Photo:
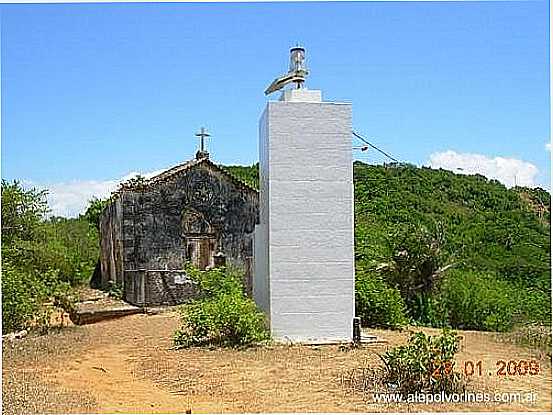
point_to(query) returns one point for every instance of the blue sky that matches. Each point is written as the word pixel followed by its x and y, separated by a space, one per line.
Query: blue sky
pixel 93 92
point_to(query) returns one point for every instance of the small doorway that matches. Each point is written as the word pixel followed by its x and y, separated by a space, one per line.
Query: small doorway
pixel 200 251
pixel 200 239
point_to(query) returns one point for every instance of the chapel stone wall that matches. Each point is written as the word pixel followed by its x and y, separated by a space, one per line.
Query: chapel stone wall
pixel 155 241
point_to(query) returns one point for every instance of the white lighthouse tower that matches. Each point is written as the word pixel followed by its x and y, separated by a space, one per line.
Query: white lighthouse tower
pixel 304 264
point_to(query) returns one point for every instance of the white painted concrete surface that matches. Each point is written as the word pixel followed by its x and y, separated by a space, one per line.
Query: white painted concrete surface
pixel 301 95
pixel 304 265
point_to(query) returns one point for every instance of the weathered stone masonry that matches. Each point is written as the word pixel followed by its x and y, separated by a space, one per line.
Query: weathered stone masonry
pixel 187 213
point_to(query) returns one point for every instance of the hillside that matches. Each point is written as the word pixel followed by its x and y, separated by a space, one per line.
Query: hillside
pixel 492 239
pixel 487 226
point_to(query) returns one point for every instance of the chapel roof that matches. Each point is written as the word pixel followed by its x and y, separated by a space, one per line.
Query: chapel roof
pixel 187 165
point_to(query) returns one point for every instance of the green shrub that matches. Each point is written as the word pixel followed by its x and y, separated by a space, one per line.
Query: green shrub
pixel 23 296
pixel 429 310
pixel 226 319
pixel 486 302
pixel 216 281
pixel 222 315
pixel 20 298
pixel 76 242
pixel 377 304
pixel 48 254
pixel 424 364
pixel 534 305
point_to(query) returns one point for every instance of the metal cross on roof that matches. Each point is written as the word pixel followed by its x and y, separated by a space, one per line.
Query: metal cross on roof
pixel 202 134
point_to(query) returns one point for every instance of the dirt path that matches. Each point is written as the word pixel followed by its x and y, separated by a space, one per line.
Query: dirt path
pixel 128 366
pixel 108 375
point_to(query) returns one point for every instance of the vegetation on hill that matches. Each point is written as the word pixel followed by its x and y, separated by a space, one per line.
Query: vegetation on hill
pixel 438 248
pixel 248 174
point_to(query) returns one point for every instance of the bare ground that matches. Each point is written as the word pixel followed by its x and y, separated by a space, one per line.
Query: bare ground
pixel 128 365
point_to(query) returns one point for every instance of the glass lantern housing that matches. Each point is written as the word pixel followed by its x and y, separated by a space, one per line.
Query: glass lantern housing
pixel 297 60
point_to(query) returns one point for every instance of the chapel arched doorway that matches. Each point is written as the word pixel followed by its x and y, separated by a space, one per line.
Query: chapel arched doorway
pixel 200 239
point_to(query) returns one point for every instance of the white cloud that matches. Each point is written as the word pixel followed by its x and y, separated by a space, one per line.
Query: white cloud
pixel 507 170
pixel 69 199
pixel 548 146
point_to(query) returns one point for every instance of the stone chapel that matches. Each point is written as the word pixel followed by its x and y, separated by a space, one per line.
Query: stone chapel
pixel 194 212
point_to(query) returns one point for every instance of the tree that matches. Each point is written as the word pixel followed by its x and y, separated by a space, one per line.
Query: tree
pixel 95 208
pixel 416 266
pixel 22 211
